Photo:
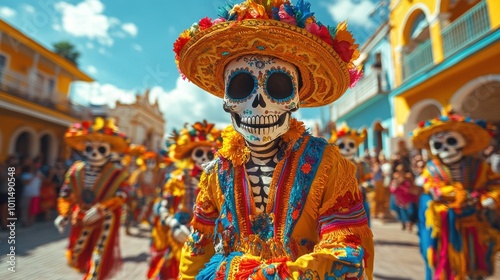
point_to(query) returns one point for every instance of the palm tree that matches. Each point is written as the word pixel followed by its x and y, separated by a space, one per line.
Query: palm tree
pixel 67 50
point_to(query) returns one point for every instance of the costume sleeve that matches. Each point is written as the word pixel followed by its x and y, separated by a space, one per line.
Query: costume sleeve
pixel 454 194
pixel 492 185
pixel 346 241
pixel 65 200
pixel 173 188
pixel 199 247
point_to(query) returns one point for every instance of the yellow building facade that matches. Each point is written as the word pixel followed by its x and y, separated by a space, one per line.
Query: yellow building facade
pixel 445 52
pixel 35 108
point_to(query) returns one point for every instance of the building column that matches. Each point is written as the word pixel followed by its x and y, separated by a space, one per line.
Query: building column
pixel 33 75
pixel 436 25
pixel 398 65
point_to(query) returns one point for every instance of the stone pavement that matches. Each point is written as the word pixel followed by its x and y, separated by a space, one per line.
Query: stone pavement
pixel 40 254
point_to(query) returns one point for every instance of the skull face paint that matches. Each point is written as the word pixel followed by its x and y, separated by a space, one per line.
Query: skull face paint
pixel 202 155
pixel 347 147
pixel 151 163
pixel 447 146
pixel 97 153
pixel 261 93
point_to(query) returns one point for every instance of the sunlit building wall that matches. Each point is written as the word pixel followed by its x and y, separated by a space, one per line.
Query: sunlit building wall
pixel 35 109
pixel 445 52
pixel 142 121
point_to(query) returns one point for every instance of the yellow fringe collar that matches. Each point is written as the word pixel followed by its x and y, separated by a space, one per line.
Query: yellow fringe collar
pixel 235 149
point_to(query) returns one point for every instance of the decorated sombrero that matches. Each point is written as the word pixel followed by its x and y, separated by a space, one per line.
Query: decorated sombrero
pixel 478 133
pixel 136 150
pixel 101 130
pixel 141 160
pixel 201 134
pixel 345 130
pixel 324 55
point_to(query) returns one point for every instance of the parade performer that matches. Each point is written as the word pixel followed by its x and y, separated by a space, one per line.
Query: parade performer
pixel 92 197
pixel 146 181
pixel 130 165
pixel 276 203
pixel 172 213
pixel 456 240
pixel 348 141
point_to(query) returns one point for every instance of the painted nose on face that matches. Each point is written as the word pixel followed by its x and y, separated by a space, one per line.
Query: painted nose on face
pixel 94 154
pixel 258 101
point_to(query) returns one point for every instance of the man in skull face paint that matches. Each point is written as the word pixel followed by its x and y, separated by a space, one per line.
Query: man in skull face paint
pixel 276 203
pixel 191 149
pixel 456 239
pixel 146 182
pixel 92 197
pixel 348 141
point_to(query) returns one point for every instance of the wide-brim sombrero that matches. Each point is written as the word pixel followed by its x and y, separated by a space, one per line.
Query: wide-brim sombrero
pixel 325 77
pixel 77 142
pixel 477 137
pixel 179 152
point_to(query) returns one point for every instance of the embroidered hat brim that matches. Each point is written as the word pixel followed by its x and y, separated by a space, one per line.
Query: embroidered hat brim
pixel 77 141
pixel 477 137
pixel 325 77
pixel 179 152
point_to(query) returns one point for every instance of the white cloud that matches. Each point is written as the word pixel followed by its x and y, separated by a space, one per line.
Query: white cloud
pixel 130 28
pixel 56 27
pixel 7 12
pixel 28 8
pixel 96 93
pixel 187 103
pixel 86 19
pixel 137 47
pixel 355 12
pixel 102 50
pixel 92 69
pixel 89 45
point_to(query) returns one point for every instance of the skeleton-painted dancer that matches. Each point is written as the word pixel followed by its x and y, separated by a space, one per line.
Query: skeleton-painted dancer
pixel 92 197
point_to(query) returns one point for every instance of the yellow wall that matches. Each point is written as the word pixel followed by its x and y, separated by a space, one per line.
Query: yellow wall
pixel 13 121
pixel 444 85
pixel 405 12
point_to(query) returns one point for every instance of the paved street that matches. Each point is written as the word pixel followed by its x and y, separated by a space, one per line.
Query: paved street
pixel 40 254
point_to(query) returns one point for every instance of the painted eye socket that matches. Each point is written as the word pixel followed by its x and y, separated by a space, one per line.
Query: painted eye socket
pixel 210 155
pixel 341 145
pixel 452 141
pixel 241 85
pixel 351 145
pixel 279 85
pixel 88 149
pixel 198 153
pixel 102 150
pixel 437 145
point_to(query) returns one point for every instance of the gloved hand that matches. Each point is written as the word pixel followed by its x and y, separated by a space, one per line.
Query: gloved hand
pixel 61 222
pixel 180 232
pixel 92 215
pixel 489 203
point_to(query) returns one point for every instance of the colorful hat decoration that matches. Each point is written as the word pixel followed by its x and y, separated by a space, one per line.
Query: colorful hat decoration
pixel 201 134
pixel 324 55
pixel 477 133
pixel 136 150
pixel 101 130
pixel 344 131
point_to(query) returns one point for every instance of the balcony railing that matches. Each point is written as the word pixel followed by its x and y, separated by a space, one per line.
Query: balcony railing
pixel 419 60
pixel 369 86
pixel 466 29
pixel 19 85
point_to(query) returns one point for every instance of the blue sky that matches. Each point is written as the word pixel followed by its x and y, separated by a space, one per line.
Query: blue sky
pixel 126 46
